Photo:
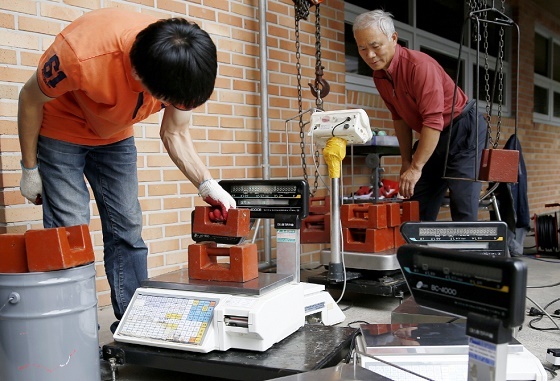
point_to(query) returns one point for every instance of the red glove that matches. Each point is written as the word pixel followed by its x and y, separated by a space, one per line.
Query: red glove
pixel 220 200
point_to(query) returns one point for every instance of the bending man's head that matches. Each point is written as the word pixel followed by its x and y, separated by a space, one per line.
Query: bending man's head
pixel 176 62
pixel 376 38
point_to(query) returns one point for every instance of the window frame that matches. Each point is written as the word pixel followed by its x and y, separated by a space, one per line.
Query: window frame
pixel 547 82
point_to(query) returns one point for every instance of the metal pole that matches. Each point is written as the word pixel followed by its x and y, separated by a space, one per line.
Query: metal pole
pixel 264 117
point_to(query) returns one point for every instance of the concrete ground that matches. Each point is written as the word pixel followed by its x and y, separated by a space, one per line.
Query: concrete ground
pixel 542 290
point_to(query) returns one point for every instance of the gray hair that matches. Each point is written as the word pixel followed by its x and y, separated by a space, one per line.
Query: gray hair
pixel 377 18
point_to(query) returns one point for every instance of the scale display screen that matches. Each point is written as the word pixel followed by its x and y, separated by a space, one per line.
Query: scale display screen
pixel 270 198
pixel 483 237
pixel 263 201
pixel 460 282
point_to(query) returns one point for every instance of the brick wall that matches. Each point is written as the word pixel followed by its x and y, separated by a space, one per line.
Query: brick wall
pixel 227 128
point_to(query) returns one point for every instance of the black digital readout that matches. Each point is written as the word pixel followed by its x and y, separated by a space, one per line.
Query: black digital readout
pixel 263 189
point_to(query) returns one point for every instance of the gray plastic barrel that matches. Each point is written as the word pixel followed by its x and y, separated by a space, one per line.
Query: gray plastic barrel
pixel 48 326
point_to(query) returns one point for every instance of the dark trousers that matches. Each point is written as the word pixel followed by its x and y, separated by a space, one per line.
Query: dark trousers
pixel 464 193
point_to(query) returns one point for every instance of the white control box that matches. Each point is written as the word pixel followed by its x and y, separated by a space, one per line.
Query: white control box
pixel 351 125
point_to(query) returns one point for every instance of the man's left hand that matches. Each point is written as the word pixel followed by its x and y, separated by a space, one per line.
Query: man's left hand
pixel 220 200
pixel 408 181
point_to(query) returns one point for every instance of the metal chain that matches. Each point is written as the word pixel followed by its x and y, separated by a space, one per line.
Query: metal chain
pixel 318 66
pixel 302 12
pixel 299 12
pixel 500 82
pixel 476 6
pixel 318 99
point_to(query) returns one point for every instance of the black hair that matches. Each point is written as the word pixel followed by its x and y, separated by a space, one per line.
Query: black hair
pixel 176 61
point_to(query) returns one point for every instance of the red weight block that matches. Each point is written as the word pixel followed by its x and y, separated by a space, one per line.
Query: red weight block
pixel 363 216
pixel 238 223
pixel 398 238
pixel 58 248
pixel 393 214
pixel 14 257
pixel 368 240
pixel 316 228
pixel 242 267
pixel 320 205
pixel 499 165
pixel 410 211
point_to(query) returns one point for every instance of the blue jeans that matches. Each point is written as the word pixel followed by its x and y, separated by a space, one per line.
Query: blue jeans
pixel 112 175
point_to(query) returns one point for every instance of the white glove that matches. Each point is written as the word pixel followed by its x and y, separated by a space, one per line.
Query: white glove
pixel 216 196
pixel 30 185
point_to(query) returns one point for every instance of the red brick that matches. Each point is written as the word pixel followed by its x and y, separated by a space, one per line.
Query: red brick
pixel 14 256
pixel 238 223
pixel 58 248
pixel 243 262
pixel 368 240
pixel 364 216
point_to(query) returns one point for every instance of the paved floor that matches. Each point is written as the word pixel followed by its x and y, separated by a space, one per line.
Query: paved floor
pixel 536 335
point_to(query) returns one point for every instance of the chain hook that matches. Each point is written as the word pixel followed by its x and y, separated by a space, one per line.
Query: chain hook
pixel 321 86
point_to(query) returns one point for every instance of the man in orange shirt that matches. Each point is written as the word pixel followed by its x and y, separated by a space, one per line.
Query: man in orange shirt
pixel 106 71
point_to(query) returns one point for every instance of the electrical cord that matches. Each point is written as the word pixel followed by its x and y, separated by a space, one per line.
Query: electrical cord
pixel 539 318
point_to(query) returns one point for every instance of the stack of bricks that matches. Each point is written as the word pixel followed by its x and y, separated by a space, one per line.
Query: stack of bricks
pixel 374 228
pixel 316 227
pixel 46 250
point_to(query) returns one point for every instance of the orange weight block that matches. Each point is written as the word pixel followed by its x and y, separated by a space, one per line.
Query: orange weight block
pixel 14 257
pixel 410 211
pixel 238 223
pixel 58 248
pixel 398 238
pixel 242 267
pixel 320 205
pixel 363 216
pixel 368 240
pixel 316 228
pixel 393 214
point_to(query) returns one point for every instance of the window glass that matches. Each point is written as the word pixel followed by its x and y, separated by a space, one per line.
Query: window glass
pixel 400 9
pixel 541 100
pixel 556 62
pixel 556 110
pixel 443 18
pixel 541 54
pixel 354 63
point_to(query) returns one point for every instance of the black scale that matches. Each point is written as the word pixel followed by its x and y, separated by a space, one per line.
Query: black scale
pixel 488 238
pixel 286 201
pixel 484 237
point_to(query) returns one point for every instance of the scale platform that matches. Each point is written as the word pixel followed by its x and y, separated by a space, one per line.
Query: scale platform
pixel 367 273
pixel 179 280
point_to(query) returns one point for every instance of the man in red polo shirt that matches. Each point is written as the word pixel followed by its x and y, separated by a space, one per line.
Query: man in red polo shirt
pixel 422 97
pixel 106 71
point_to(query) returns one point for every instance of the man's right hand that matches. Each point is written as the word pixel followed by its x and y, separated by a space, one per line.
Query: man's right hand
pixel 30 185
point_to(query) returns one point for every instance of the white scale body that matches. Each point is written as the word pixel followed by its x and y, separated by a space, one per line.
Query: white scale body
pixel 157 317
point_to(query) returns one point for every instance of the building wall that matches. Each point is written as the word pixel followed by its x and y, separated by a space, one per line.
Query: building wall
pixel 227 128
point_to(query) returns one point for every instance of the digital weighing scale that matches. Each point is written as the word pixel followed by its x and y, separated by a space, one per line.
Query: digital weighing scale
pixel 176 312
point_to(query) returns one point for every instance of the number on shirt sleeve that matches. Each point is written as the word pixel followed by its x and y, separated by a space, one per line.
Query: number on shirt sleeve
pixel 52 73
